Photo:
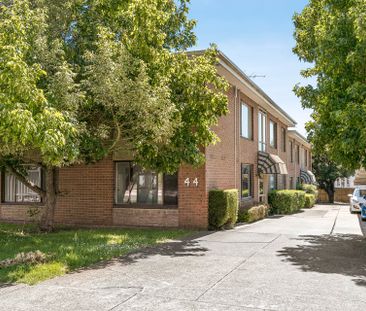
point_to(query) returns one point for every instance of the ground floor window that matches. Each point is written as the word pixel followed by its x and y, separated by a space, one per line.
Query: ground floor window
pixel 272 182
pixel 246 181
pixel 15 191
pixel 135 185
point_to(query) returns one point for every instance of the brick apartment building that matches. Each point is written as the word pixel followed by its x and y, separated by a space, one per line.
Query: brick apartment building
pixel 257 153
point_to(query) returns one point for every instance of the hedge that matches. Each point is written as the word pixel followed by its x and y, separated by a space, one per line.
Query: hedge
pixel 286 201
pixel 310 189
pixel 222 208
pixel 309 200
pixel 253 214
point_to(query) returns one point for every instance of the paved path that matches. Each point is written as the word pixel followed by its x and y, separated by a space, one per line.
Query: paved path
pixel 314 260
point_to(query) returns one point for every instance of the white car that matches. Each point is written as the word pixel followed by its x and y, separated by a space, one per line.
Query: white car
pixel 357 199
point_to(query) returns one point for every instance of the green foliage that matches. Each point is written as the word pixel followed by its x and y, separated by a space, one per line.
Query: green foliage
pixel 27 120
pixel 286 201
pixel 311 189
pixel 309 200
pixel 222 208
pixel 80 79
pixel 331 36
pixel 68 250
pixel 326 172
pixel 253 213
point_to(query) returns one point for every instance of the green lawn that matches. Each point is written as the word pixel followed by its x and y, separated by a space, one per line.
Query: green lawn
pixel 70 249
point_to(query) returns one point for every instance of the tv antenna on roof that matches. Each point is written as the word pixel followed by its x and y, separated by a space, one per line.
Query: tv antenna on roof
pixel 253 76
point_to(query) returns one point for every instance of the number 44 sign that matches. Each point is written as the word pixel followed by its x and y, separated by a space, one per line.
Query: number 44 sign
pixel 187 182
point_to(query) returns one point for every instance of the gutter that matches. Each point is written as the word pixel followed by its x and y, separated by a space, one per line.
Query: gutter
pixel 241 76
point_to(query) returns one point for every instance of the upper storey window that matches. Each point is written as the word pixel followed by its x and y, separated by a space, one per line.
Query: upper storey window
pixel 262 123
pixel 246 121
pixel 273 134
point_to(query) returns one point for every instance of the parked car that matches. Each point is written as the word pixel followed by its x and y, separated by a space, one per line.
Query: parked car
pixel 363 212
pixel 357 199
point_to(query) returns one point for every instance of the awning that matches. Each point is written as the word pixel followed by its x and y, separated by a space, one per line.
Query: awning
pixel 271 164
pixel 307 177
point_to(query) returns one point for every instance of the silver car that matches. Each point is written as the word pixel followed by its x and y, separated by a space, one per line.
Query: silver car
pixel 357 199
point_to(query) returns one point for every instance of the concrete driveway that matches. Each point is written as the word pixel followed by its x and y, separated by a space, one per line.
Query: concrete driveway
pixel 314 260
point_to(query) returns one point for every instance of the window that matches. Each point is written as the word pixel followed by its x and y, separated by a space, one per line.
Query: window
pixel 246 121
pixel 272 182
pixel 298 154
pixel 283 139
pixel 292 152
pixel 273 134
pixel 262 131
pixel 16 191
pixel 134 185
pixel 246 178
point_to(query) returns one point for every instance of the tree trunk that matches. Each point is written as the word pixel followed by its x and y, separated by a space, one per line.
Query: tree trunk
pixel 330 196
pixel 50 198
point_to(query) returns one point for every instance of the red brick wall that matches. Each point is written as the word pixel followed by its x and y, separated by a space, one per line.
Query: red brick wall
pixel 145 217
pixel 19 213
pixel 220 158
pixel 87 194
pixel 192 200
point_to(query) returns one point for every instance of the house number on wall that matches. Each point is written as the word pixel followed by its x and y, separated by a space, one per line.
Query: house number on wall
pixel 187 182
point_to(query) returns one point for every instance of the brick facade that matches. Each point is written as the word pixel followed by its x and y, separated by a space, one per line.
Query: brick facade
pixel 88 191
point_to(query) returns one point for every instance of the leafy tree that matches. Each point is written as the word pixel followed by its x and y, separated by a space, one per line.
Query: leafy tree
pixel 82 78
pixel 326 172
pixel 331 36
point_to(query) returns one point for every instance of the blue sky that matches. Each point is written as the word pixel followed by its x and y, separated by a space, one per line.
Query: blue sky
pixel 258 36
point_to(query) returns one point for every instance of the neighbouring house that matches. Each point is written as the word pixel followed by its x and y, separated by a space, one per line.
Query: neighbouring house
pixel 345 182
pixel 257 153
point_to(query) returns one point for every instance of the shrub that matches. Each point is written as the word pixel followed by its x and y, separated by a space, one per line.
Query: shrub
pixel 286 201
pixel 253 214
pixel 310 189
pixel 309 200
pixel 222 208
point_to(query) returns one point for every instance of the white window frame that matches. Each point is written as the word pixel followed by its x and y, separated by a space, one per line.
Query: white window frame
pixel 20 191
pixel 273 134
pixel 262 130
pixel 248 123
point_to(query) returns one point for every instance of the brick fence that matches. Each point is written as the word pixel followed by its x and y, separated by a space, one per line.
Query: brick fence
pixel 341 195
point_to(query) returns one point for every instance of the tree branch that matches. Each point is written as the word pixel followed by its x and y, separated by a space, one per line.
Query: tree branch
pixel 26 182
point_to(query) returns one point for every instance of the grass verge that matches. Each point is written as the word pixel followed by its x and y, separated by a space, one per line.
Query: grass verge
pixel 70 249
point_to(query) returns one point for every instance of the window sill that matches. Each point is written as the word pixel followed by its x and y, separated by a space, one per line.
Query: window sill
pixel 145 206
pixel 246 199
pixel 246 138
pixel 34 204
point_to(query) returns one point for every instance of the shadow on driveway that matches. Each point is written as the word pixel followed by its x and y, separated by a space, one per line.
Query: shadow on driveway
pixel 184 247
pixel 338 254
pixel 362 225
pixel 180 248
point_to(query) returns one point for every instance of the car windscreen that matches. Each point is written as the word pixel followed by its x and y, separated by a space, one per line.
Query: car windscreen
pixel 362 192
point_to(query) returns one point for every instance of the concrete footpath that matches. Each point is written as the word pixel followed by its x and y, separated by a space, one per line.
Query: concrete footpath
pixel 313 260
